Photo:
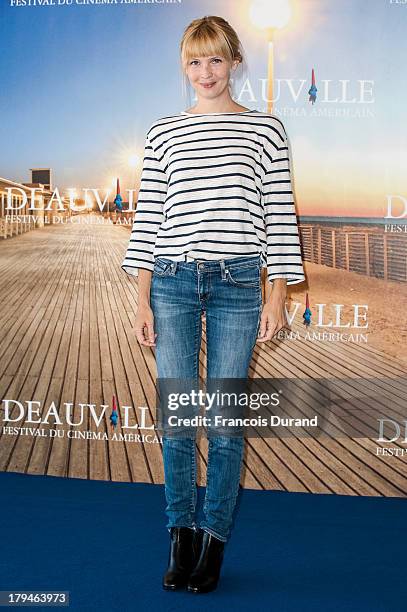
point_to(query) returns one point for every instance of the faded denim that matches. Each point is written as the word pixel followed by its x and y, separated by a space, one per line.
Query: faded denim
pixel 229 292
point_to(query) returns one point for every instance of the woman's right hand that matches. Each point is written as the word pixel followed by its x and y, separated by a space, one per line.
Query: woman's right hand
pixel 144 325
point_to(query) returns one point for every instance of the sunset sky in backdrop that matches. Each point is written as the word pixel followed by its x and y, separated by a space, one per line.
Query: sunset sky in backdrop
pixel 82 84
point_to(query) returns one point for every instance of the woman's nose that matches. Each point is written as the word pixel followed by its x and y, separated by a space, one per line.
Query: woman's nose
pixel 206 72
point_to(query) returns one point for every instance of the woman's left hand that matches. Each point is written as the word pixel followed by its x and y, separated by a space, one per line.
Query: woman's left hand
pixel 273 316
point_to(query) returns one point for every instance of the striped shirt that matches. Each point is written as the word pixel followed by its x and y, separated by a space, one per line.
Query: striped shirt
pixel 216 186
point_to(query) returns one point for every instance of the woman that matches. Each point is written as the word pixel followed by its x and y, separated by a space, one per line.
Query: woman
pixel 215 206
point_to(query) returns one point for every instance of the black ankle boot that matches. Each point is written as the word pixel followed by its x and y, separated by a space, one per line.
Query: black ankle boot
pixel 182 557
pixel 205 575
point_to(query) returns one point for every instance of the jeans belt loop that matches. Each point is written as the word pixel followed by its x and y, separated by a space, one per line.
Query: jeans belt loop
pixel 222 269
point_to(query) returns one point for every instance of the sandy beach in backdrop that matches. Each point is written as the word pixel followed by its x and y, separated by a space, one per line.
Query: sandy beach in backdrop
pixel 386 300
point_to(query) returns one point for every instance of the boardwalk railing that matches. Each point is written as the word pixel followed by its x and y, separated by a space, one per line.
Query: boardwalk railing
pixel 369 251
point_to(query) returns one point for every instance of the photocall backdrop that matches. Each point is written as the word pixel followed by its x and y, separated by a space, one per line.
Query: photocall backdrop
pixel 82 81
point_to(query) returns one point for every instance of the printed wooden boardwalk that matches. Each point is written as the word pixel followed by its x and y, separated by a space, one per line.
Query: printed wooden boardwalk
pixel 67 335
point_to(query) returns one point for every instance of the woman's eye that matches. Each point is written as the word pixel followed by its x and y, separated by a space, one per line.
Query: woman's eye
pixel 215 59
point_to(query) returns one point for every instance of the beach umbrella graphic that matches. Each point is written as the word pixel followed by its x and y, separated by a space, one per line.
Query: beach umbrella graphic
pixel 307 312
pixel 118 199
pixel 312 90
pixel 114 417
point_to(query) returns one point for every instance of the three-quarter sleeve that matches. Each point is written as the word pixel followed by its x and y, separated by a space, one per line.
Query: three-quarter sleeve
pixel 284 259
pixel 148 215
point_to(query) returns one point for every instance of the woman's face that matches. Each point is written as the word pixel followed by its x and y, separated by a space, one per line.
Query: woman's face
pixel 209 76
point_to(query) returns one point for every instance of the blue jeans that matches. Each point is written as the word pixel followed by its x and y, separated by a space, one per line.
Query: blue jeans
pixel 229 292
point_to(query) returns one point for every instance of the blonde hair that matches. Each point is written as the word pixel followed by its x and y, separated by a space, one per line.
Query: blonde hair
pixel 209 35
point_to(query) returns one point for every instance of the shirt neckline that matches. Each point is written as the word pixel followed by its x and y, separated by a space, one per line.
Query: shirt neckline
pixel 221 113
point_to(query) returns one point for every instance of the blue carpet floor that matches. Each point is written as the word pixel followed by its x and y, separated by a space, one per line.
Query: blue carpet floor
pixel 106 543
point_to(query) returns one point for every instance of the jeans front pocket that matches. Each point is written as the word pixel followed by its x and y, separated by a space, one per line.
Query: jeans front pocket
pixel 162 267
pixel 245 275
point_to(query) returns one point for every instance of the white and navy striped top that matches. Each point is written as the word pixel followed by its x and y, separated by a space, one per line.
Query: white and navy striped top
pixel 216 186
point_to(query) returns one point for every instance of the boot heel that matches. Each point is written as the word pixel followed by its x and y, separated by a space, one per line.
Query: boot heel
pixel 205 575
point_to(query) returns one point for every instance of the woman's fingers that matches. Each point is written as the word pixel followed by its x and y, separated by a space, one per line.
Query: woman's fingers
pixel 150 336
pixel 145 333
pixel 269 327
pixel 265 326
pixel 140 334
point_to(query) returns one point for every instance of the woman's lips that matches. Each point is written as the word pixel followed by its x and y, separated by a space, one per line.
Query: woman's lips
pixel 208 85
